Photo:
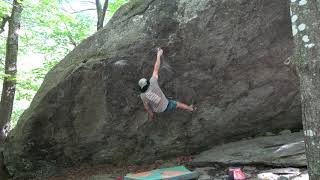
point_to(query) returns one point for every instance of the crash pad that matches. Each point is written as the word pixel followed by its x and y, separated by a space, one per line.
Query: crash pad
pixel 173 173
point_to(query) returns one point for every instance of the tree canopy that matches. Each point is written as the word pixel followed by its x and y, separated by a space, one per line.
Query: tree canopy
pixel 49 30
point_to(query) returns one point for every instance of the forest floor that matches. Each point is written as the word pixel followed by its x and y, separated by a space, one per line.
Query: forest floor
pixel 90 172
pixel 214 172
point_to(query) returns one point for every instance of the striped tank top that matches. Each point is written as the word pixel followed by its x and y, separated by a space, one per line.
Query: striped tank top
pixel 154 96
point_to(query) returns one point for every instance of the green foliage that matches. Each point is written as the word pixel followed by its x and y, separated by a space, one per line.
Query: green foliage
pixel 15 116
pixel 114 6
pixel 49 31
pixel 52 31
pixel 5 9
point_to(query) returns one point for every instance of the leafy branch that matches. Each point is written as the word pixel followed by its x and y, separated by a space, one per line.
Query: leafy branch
pixel 69 35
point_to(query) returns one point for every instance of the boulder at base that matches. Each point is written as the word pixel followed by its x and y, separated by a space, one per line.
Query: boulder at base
pixel 283 151
pixel 224 56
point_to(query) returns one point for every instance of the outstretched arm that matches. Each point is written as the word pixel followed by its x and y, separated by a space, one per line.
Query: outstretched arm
pixel 157 64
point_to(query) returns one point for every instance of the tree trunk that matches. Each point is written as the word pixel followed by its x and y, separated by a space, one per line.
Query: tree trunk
pixel 101 13
pixel 305 19
pixel 9 82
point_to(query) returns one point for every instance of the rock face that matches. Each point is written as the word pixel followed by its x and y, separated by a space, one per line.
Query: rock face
pixel 224 56
pixel 285 151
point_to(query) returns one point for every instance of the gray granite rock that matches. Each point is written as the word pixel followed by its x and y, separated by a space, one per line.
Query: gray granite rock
pixel 204 177
pixel 285 150
pixel 269 134
pixel 224 56
pixel 286 131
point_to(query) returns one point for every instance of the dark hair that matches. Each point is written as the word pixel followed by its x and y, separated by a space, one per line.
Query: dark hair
pixel 145 88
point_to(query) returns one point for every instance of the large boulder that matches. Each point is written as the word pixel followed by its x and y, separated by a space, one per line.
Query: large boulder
pixel 224 56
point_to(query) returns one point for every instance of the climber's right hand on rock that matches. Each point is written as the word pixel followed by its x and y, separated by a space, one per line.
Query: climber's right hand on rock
pixel 160 52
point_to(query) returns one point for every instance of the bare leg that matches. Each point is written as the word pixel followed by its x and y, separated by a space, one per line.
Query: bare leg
pixel 183 106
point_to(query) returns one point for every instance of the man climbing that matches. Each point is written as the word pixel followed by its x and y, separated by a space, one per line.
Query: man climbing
pixel 153 99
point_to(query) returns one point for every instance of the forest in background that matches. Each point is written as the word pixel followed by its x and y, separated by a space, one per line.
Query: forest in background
pixel 49 30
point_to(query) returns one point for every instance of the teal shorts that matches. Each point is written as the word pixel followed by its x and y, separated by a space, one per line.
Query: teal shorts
pixel 172 105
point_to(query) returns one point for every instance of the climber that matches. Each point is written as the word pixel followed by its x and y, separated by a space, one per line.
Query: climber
pixel 153 99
